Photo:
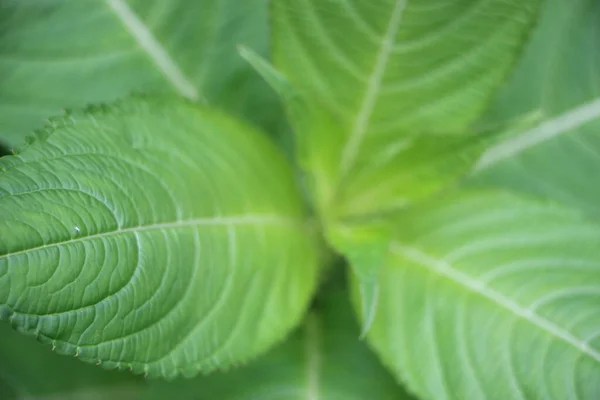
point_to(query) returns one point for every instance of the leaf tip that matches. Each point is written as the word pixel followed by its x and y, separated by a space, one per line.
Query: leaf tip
pixel 267 71
pixel 369 295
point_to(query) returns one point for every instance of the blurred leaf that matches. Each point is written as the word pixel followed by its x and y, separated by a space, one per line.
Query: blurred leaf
pixel 365 246
pixel 492 296
pixel 160 237
pixel 560 67
pixel 376 75
pixel 560 76
pixel 324 360
pixel 31 371
pixel 69 53
pixel 495 295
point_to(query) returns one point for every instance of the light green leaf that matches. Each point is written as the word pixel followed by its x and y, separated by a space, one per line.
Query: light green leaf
pixel 324 360
pixel 31 371
pixel 70 53
pixel 364 242
pixel 559 76
pixel 376 75
pixel 492 296
pixel 508 288
pixel 365 246
pixel 163 238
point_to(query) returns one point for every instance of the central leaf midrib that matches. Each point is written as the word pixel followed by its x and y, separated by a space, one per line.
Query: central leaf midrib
pixel 361 123
pixel 249 219
pixel 443 269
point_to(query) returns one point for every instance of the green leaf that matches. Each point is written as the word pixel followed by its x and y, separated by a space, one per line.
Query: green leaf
pixel 283 88
pixel 558 75
pixel 273 77
pixel 507 287
pixel 364 242
pixel 557 159
pixel 68 53
pixel 492 296
pixel 377 75
pixel 31 371
pixel 365 246
pixel 559 67
pixel 323 360
pixel 159 237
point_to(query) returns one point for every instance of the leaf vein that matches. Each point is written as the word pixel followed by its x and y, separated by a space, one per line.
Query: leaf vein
pixel 442 268
pixel 545 131
pixel 247 219
pixel 159 55
pixel 360 125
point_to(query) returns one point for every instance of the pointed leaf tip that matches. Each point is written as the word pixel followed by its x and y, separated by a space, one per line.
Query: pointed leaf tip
pixel 272 76
pixel 369 297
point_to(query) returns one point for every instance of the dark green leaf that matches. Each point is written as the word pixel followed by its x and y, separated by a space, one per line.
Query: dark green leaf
pixel 69 53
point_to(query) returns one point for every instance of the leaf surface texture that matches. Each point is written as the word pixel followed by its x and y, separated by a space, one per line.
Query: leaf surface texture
pixel 159 237
pixel 376 74
pixel 492 296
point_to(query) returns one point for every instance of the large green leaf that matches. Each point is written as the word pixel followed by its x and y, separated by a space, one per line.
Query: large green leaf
pixel 69 53
pixel 324 360
pixel 492 296
pixel 31 371
pixel 496 296
pixel 159 237
pixel 376 75
pixel 558 75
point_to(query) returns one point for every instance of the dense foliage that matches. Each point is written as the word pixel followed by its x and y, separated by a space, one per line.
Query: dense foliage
pixel 300 199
